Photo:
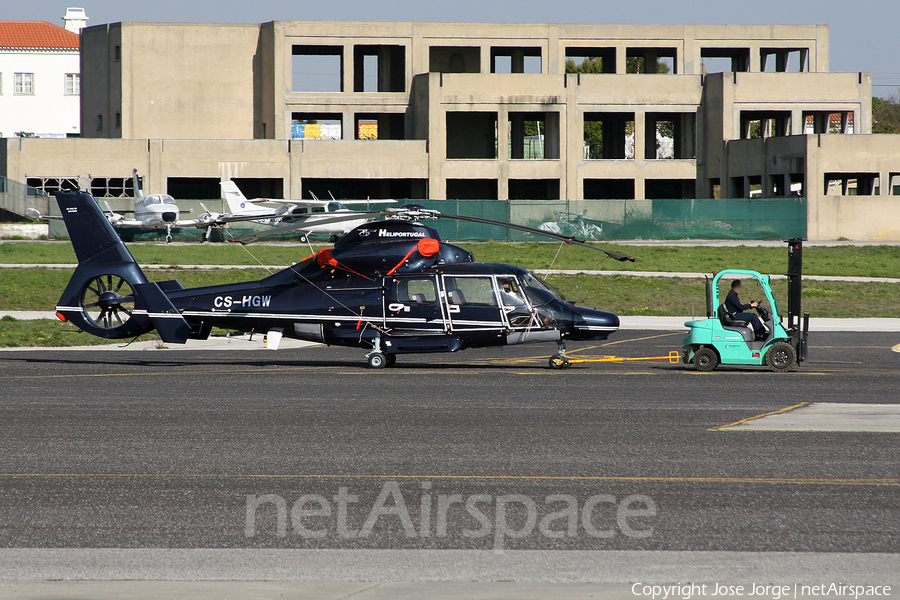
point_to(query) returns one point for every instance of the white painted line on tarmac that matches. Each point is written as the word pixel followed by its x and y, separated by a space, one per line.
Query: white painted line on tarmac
pixel 829 416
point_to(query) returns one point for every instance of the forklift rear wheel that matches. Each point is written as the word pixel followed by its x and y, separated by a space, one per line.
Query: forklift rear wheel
pixel 781 357
pixel 706 359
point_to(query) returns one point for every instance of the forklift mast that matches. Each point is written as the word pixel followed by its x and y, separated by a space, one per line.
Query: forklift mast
pixel 798 321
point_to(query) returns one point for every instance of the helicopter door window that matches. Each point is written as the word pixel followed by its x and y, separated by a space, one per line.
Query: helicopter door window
pixel 470 291
pixel 416 291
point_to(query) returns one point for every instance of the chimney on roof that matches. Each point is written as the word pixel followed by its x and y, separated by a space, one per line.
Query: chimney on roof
pixel 75 20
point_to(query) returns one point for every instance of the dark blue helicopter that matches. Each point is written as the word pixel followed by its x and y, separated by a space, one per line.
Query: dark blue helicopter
pixel 391 287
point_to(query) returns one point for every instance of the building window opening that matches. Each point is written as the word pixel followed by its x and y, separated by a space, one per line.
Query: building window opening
pixel 852 184
pixel 454 59
pixel 828 122
pixel 724 60
pixel 784 60
pixel 472 189
pixel 609 189
pixel 670 136
pixel 533 136
pixel 608 136
pixel 73 84
pixel 317 69
pixel 590 60
pixel 515 60
pixel 316 126
pixel 667 189
pixel 755 124
pixel 472 135
pixel 651 60
pixel 379 68
pixel 380 126
pixel 894 184
pixel 534 189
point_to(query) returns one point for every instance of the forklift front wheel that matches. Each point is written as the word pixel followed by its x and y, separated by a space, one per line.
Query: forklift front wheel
pixel 781 357
pixel 706 359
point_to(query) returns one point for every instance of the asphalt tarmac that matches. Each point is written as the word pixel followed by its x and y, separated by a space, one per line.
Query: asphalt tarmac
pixel 480 450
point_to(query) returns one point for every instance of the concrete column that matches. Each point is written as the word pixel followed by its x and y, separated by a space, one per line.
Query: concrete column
pixel 347 67
pixel 517 62
pixel 485 59
pixel 640 137
pixel 649 137
pixel 621 60
pixel 517 135
pixel 552 135
pixel 502 134
pixel 348 124
pixel 384 69
pixel 781 61
pixel 798 124
pixel 754 66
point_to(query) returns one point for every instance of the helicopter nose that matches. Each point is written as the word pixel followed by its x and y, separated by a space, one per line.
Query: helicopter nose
pixel 590 322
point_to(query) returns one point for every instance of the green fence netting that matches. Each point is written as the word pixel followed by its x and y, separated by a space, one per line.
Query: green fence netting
pixel 737 219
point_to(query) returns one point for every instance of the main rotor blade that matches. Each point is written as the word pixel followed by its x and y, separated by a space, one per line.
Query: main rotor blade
pixel 282 229
pixel 569 239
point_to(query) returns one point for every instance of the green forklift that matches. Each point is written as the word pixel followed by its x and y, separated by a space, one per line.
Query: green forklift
pixel 719 339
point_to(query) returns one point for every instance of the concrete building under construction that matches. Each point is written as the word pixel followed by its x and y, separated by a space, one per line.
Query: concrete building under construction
pixel 477 111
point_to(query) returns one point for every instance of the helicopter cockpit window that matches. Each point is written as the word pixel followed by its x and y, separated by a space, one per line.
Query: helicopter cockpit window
pixel 510 294
pixel 336 206
pixel 417 291
pixel 471 291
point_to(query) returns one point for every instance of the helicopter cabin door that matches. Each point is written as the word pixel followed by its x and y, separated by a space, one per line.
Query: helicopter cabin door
pixel 472 303
pixel 412 306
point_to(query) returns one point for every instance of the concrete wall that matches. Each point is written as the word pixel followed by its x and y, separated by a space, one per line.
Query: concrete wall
pixel 177 80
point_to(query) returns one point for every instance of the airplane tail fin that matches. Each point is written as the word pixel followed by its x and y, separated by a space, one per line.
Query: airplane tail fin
pixel 138 192
pixel 109 296
pixel 237 202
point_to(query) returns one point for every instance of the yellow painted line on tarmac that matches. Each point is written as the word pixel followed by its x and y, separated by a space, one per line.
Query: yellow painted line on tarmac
pixel 649 337
pixel 748 419
pixel 609 478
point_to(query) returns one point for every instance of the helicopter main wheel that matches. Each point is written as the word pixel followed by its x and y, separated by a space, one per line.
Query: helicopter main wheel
pixel 108 302
pixel 377 360
pixel 559 362
pixel 781 357
pixel 706 359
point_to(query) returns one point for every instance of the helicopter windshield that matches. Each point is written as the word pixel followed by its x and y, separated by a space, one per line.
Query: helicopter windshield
pixel 539 291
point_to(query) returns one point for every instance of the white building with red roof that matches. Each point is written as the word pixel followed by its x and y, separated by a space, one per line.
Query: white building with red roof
pixel 40 81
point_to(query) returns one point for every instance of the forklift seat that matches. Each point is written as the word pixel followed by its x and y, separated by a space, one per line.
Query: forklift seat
pixel 731 324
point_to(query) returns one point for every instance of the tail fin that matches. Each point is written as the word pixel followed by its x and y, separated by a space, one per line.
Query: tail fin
pixel 237 202
pixel 109 296
pixel 138 192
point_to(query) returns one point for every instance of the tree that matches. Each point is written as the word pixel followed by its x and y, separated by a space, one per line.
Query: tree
pixel 885 115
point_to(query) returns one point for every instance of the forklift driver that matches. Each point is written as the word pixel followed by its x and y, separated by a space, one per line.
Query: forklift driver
pixel 734 306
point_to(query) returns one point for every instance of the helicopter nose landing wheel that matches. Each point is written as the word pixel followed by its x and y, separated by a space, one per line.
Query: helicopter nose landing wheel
pixel 559 362
pixel 377 360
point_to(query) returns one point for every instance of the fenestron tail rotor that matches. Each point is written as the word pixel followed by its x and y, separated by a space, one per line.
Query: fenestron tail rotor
pixel 108 302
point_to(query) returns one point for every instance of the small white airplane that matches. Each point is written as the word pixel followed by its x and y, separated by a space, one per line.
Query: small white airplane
pixel 282 213
pixel 153 211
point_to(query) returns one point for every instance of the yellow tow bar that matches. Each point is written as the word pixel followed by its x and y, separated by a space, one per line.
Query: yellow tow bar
pixel 560 362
